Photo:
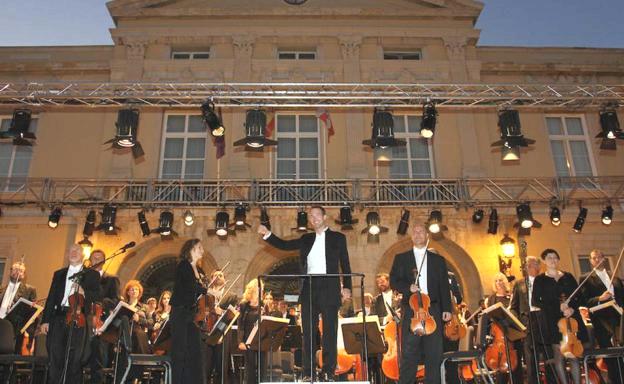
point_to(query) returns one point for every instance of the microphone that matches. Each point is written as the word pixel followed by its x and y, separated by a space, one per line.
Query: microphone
pixel 127 246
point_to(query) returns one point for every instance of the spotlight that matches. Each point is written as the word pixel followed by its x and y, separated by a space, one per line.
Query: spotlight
pixel 18 130
pixel 525 217
pixel 302 221
pixel 493 222
pixel 264 218
pixel 126 135
pixel 89 225
pixel 54 217
pixel 611 130
pixel 165 224
pixel 346 220
pixel 211 119
pixel 222 222
pixel 477 216
pixel 428 122
pixel 383 131
pixel 508 246
pixel 580 220
pixel 240 215
pixel 86 245
pixel 109 214
pixel 145 229
pixel 511 135
pixel 404 223
pixel 373 224
pixel 607 215
pixel 189 219
pixel 555 216
pixel 434 224
pixel 255 128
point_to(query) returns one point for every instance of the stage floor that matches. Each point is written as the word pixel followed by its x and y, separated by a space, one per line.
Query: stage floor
pixel 299 382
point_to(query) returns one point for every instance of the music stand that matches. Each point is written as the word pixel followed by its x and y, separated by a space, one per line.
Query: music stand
pixel 267 336
pixel 509 323
pixel 292 338
pixel 162 342
pixel 222 325
pixel 25 310
pixel 611 309
pixel 354 334
pixel 106 331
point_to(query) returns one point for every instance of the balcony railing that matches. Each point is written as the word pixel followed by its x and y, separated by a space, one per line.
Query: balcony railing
pixel 277 192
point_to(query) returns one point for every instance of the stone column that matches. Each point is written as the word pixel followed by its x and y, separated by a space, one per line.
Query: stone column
pixel 135 56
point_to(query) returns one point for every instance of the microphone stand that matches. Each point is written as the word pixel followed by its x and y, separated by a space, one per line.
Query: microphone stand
pixel 527 284
pixel 79 275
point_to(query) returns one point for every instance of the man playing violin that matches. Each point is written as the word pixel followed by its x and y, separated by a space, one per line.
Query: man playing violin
pixel 67 308
pixel 10 294
pixel 432 281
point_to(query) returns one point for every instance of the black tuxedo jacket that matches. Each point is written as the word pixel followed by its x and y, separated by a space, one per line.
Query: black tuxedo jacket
pixel 90 284
pixel 109 291
pixel 336 259
pixel 26 291
pixel 380 307
pixel 402 277
pixel 520 302
pixel 591 291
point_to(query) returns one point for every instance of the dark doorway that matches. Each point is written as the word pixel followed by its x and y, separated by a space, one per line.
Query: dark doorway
pixel 158 277
pixel 281 287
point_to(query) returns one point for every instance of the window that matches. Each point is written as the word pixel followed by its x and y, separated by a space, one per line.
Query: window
pixel 570 146
pixel 586 267
pixel 402 55
pixel 298 147
pixel 178 55
pixel 296 55
pixel 415 160
pixel 184 147
pixel 14 159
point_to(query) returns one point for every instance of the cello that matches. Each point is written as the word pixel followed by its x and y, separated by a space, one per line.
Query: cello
pixel 454 329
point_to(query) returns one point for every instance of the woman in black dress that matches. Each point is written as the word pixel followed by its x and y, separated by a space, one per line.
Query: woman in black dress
pixel 550 290
pixel 186 354
pixel 249 314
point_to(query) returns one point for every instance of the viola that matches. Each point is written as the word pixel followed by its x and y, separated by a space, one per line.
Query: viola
pixel 75 315
pixel 496 353
pixel 570 346
pixel 97 311
pixel 422 322
pixel 454 329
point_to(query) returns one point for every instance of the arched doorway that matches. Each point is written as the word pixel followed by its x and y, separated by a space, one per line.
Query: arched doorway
pixel 281 287
pixel 158 276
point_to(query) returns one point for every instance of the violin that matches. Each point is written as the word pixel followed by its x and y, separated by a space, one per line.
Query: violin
pixel 571 347
pixel 496 353
pixel 75 316
pixel 422 322
pixel 454 329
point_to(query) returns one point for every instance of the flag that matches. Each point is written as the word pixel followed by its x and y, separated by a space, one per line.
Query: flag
pixel 270 127
pixel 323 115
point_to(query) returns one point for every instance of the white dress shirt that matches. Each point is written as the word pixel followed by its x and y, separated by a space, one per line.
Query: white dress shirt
pixel 606 279
pixel 317 264
pixel 9 295
pixel 69 284
pixel 419 254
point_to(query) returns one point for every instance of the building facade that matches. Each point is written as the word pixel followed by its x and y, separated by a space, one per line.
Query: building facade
pixel 352 56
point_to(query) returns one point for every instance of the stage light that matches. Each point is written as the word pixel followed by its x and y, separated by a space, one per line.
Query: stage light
pixel 145 229
pixel 127 126
pixel 610 129
pixel 189 219
pixel 240 216
pixel 255 128
pixel 434 224
pixel 477 216
pixel 373 224
pixel 211 119
pixel 383 131
pixel 607 215
pixel 555 216
pixel 86 246
pixel 404 222
pixel 493 222
pixel 109 215
pixel 580 220
pixel 19 128
pixel 508 246
pixel 525 217
pixel 54 217
pixel 511 135
pixel 346 219
pixel 302 221
pixel 89 224
pixel 428 122
pixel 165 223
pixel 222 221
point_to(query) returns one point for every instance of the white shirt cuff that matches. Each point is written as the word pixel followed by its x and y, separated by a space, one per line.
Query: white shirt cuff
pixel 266 236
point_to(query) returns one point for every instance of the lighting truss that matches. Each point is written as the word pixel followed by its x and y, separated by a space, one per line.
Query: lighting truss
pixel 298 95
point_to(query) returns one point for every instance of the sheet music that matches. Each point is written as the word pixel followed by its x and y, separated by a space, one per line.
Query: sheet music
pixel 608 304
pixel 36 308
pixel 121 306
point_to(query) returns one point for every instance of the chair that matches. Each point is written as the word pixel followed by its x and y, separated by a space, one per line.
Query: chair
pixel 12 365
pixel 594 353
pixel 150 361
pixel 468 353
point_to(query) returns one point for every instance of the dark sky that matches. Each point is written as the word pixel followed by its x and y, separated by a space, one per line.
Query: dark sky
pixel 572 23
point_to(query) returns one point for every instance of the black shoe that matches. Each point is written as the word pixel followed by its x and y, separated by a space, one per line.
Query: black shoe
pixel 328 377
pixel 306 379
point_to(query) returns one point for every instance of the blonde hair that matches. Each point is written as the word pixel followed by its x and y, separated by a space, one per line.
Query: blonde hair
pixel 501 276
pixel 251 290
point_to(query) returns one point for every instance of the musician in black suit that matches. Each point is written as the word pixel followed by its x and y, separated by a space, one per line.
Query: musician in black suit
pixel 598 289
pixel 321 252
pixel 109 297
pixel 10 294
pixel 54 321
pixel 432 280
pixel 452 376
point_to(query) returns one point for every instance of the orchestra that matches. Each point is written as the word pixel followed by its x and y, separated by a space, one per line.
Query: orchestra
pixel 420 309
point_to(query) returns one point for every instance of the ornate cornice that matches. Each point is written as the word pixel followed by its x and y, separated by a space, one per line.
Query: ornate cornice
pixel 350 47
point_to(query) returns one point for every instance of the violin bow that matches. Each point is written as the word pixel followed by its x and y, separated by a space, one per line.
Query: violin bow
pixel 227 290
pixel 617 266
pixel 567 301
pixel 215 278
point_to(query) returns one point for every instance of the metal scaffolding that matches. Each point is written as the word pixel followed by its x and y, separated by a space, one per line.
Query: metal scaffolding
pixel 425 193
pixel 301 95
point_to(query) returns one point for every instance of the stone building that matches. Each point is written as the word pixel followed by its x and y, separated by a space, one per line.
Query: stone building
pixel 343 57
